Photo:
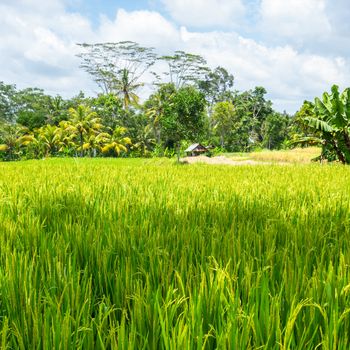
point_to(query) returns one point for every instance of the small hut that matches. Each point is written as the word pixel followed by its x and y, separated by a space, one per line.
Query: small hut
pixel 196 150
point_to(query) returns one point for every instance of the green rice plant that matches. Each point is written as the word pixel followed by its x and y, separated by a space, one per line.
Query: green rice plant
pixel 145 254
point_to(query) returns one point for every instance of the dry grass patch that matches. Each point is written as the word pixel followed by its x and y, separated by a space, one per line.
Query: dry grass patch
pixel 296 155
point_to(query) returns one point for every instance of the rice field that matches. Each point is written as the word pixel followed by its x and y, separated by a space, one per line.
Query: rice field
pixel 295 155
pixel 137 254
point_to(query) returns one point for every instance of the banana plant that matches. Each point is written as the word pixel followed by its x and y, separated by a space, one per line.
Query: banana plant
pixel 331 124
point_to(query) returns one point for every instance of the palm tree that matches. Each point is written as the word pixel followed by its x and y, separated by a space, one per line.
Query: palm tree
pixel 117 142
pixel 95 142
pixel 83 123
pixel 66 140
pixel 126 87
pixel 57 111
pixel 158 106
pixel 155 113
pixel 145 141
pixel 48 137
pixel 14 137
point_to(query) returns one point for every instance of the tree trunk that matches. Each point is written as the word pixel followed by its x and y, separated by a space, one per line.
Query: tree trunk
pixel 222 143
pixel 81 145
pixel 338 151
pixel 178 152
pixel 347 140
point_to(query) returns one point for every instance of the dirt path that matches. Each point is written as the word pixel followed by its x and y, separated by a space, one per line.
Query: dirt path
pixel 219 160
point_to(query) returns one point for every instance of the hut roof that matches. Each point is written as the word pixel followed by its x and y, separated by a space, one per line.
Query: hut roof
pixel 194 146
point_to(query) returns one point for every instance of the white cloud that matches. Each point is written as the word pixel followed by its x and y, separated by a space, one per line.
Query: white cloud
pixel 288 75
pixel 145 27
pixel 297 20
pixel 38 47
pixel 205 13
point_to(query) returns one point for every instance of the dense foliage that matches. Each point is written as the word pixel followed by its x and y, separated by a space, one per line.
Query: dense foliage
pixel 142 254
pixel 327 123
pixel 189 103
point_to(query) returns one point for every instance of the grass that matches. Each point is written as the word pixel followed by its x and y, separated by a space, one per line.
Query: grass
pixel 296 155
pixel 133 254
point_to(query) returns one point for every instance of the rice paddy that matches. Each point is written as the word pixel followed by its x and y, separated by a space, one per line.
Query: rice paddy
pixel 137 254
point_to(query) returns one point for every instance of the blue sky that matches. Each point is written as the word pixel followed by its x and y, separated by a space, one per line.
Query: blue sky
pixel 296 49
pixel 109 8
pixel 90 8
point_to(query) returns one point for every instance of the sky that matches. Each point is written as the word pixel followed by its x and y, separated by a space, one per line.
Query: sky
pixel 296 49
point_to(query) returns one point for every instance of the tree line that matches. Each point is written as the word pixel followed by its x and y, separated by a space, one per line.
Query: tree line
pixel 189 102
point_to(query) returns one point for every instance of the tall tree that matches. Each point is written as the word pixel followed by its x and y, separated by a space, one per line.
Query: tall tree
pixel 275 130
pixel 185 120
pixel 117 67
pixel 157 106
pixel 7 102
pixel 126 89
pixel 253 109
pixel 184 68
pixel 224 117
pixel 217 86
pixel 33 107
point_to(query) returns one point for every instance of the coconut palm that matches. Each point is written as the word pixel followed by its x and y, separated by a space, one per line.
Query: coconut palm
pixel 66 140
pixel 13 138
pixel 116 141
pixel 155 113
pixel 48 137
pixel 126 88
pixel 83 123
pixel 158 106
pixel 95 142
pixel 145 141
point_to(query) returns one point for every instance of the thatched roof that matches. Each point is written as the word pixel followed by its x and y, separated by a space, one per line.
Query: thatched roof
pixel 196 146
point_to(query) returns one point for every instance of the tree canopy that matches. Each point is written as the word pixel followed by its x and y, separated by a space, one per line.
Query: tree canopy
pixel 117 67
pixel 187 101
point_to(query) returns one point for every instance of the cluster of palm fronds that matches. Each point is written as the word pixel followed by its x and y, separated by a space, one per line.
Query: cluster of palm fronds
pixel 83 134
